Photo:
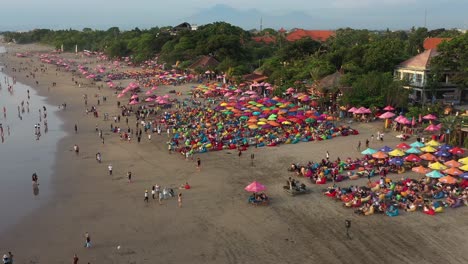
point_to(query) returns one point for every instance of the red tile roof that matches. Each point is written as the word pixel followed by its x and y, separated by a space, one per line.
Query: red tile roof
pixel 265 39
pixel 317 35
pixel 432 43
pixel 420 61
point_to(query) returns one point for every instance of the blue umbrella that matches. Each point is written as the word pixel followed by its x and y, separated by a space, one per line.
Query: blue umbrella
pixel 397 161
pixel 442 153
pixel 417 144
pixel 435 174
pixel 386 149
pixel 464 176
pixel 445 147
pixel 413 150
pixel 368 151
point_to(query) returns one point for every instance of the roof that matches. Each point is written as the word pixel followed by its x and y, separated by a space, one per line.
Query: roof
pixel 204 62
pixel 254 77
pixel 330 81
pixel 420 61
pixel 433 43
pixel 265 39
pixel 317 35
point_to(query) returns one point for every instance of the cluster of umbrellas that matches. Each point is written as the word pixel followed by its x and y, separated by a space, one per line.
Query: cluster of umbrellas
pixel 417 152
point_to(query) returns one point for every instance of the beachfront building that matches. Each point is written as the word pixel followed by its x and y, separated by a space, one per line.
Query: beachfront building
pixel 417 71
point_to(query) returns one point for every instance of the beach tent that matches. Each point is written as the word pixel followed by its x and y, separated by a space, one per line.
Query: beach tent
pixel 434 174
pixel 368 151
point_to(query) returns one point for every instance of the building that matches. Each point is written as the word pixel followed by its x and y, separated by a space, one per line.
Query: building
pixel 417 71
pixel 204 63
pixel 317 35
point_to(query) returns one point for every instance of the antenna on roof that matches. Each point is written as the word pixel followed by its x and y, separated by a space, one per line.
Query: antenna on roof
pixel 425 17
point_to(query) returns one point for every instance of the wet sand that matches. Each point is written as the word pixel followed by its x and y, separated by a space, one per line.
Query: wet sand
pixel 215 223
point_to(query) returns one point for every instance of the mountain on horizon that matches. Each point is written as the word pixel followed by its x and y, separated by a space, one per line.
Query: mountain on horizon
pixel 250 19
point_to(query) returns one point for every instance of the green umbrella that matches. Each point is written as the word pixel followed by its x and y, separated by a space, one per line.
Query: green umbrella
pixel 310 120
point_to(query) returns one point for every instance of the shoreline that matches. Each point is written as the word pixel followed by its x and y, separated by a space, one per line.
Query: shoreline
pixel 215 225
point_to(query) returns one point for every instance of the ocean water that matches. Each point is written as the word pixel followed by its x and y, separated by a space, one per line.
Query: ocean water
pixel 21 154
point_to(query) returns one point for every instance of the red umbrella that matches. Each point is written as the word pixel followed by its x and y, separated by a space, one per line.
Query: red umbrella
pixel 430 117
pixel 433 127
pixel 403 146
pixel 413 158
pixel 457 151
pixel 389 108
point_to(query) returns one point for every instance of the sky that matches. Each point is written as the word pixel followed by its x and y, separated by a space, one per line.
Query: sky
pixel 312 14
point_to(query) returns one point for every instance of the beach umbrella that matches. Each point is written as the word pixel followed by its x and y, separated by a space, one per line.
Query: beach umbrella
pixel 445 147
pixel 149 99
pixel 442 153
pixel 453 171
pixel 421 169
pixel 463 160
pixel 386 115
pixel 120 95
pixel 255 187
pixel 386 149
pixel 429 117
pixel 448 180
pixel 413 151
pixel 428 156
pixel 417 144
pixel 464 168
pixel 457 151
pixel 134 96
pixel 352 109
pixel 437 166
pixel 452 163
pixel 412 158
pixel 428 149
pixel 396 153
pixel 403 120
pixel 389 108
pixel 368 151
pixel 433 128
pixel 433 143
pixel 148 92
pixel 403 146
pixel 380 155
pixel 464 176
pixel 133 102
pixel 434 174
pixel 396 161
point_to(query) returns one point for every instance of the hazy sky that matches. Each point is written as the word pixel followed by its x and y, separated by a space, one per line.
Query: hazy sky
pixel 374 14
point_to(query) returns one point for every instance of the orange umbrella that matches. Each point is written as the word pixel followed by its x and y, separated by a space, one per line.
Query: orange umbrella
pixel 427 156
pixel 452 163
pixel 453 171
pixel 421 169
pixel 273 123
pixel 448 180
pixel 379 155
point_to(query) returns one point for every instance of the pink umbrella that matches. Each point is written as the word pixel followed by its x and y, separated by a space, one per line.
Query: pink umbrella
pixel 120 95
pixel 352 110
pixel 165 96
pixel 134 96
pixel 361 110
pixel 148 92
pixel 389 108
pixel 430 117
pixel 255 187
pixel 154 88
pixel 433 127
pixel 386 115
pixel 238 91
pixel 403 120
pixel 232 98
pixel 149 99
pixel 133 102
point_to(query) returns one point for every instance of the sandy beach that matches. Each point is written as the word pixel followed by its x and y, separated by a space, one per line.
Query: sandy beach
pixel 215 223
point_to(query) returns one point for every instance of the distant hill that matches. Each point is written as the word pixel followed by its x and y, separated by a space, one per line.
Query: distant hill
pixel 249 19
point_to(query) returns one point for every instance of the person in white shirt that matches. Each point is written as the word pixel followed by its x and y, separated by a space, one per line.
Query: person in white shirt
pixel 110 169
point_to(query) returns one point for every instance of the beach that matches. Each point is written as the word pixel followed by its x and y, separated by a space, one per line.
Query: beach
pixel 215 223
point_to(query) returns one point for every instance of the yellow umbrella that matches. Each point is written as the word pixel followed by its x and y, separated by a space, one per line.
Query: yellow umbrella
pixel 223 104
pixel 437 166
pixel 464 167
pixel 428 149
pixel 463 160
pixel 433 143
pixel 286 123
pixel 253 126
pixel 396 153
pixel 261 123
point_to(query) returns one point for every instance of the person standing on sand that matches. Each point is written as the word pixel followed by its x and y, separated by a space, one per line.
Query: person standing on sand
pixel 327 155
pixel 179 200
pixel 153 191
pixel 146 196
pixel 198 163
pixel 129 176
pixel 367 143
pixel 110 169
pixel 76 129
pixel 77 149
pixel 87 240
pixel 359 146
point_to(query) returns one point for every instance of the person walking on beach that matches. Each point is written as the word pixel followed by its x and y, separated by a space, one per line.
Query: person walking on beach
pixel 77 149
pixel 110 169
pixel 179 200
pixel 198 163
pixel 129 176
pixel 367 143
pixel 75 259
pixel 87 240
pixel 76 129
pixel 327 155
pixel 146 196
pixel 153 191
pixel 359 146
